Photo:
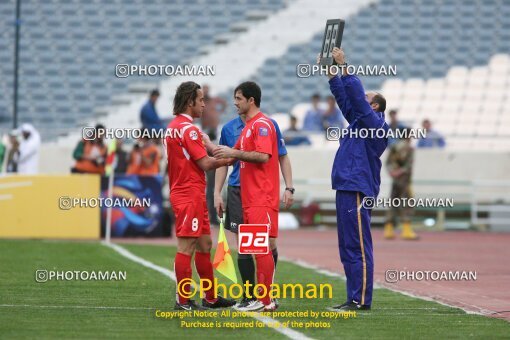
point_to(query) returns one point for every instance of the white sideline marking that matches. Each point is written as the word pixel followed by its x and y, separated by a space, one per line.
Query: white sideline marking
pixel 293 334
pixel 313 267
pixel 124 252
pixel 307 265
pixel 77 307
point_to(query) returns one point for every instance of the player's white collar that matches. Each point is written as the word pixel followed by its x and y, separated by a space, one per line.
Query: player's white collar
pixel 187 116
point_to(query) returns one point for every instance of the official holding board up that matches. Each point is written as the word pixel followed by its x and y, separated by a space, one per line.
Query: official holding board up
pixel 356 171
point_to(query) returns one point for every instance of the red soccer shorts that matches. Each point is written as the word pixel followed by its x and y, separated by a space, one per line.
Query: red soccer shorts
pixel 262 215
pixel 192 219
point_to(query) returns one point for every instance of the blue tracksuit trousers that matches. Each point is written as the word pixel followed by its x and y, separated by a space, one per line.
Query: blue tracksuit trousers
pixel 355 244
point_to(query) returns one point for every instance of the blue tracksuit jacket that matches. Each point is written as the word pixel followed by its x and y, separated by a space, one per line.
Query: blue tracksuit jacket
pixel 356 175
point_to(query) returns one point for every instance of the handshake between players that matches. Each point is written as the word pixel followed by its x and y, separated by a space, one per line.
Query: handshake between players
pixel 257 153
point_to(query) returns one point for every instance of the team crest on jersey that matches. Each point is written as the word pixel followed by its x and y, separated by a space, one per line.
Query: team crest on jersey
pixel 193 135
pixel 263 131
pixel 248 134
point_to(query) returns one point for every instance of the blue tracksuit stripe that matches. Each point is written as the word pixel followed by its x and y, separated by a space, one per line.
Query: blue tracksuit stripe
pixel 360 231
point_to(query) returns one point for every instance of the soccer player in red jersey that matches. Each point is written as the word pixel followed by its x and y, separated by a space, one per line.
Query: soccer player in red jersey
pixel 257 149
pixel 187 162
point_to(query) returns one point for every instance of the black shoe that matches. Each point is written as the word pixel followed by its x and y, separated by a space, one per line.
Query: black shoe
pixel 346 303
pixel 350 306
pixel 220 302
pixel 190 305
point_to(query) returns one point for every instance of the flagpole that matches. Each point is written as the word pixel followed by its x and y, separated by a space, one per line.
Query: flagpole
pixel 109 209
pixel 110 170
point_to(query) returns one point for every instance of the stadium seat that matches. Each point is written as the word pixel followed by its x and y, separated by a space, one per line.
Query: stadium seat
pixel 100 34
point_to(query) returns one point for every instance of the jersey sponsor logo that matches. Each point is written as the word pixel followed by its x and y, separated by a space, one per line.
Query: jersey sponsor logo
pixel 253 239
pixel 193 135
pixel 263 132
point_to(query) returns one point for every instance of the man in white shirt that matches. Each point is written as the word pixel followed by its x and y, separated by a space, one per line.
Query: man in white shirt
pixel 28 162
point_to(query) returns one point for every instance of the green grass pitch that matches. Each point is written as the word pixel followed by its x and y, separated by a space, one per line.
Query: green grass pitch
pixel 125 309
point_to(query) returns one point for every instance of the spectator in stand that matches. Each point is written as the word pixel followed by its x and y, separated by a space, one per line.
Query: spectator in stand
pixel 90 155
pixel 150 156
pixel 3 153
pixel 144 158
pixel 433 139
pixel 395 125
pixel 293 136
pixel 148 115
pixel 135 158
pixel 30 144
pixel 333 115
pixel 121 158
pixel 13 152
pixel 399 164
pixel 314 116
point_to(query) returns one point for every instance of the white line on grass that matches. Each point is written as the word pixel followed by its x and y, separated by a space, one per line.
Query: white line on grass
pixel 77 307
pixel 379 286
pixel 124 252
pixel 291 333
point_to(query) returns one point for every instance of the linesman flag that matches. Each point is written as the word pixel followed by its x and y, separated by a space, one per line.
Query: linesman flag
pixel 222 258
pixel 110 157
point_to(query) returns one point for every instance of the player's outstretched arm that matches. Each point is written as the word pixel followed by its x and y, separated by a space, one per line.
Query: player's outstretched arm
pixel 219 181
pixel 222 152
pixel 209 163
pixel 209 146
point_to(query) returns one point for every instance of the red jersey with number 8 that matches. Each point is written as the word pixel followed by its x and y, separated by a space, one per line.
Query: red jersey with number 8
pixel 184 146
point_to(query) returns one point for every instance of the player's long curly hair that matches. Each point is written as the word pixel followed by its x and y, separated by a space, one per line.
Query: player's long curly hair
pixel 186 93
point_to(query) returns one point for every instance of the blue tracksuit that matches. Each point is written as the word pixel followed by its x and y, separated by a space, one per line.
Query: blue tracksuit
pixel 356 175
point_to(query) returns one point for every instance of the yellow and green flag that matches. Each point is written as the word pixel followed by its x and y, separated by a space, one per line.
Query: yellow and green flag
pixel 222 258
pixel 110 157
